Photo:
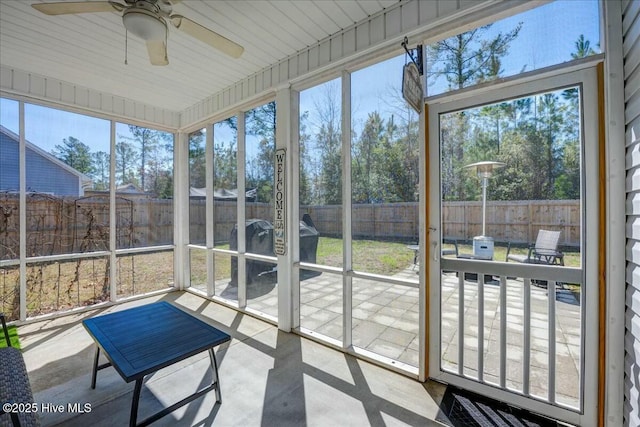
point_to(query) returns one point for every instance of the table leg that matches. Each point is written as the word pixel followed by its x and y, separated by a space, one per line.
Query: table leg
pixel 215 384
pixel 216 379
pixel 134 403
pixel 95 367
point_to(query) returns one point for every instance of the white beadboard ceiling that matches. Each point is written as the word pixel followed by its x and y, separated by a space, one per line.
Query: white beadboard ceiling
pixel 89 49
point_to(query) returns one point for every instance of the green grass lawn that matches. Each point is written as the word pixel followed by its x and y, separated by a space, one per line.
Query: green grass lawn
pixel 13 336
pixel 372 256
pixel 381 257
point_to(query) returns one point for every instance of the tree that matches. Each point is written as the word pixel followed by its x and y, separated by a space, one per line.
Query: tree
pixel 453 134
pixel 550 117
pixel 469 58
pixel 328 142
pixel 398 173
pixel 225 169
pixel 160 174
pixel 363 159
pixel 101 170
pixel 261 123
pixel 148 140
pixel 126 158
pixel 225 155
pixel 583 48
pixel 464 60
pixel 514 181
pixel 307 172
pixel 403 152
pixel 568 183
pixel 75 153
pixel 197 160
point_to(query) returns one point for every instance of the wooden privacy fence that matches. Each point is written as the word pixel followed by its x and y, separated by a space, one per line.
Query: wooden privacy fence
pixel 67 225
pixel 514 221
pixel 509 221
pixel 62 225
pixel 225 218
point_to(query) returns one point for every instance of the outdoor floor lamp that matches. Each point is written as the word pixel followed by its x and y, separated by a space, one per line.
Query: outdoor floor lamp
pixel 484 171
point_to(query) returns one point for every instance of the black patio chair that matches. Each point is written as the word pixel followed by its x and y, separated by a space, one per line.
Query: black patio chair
pixel 14 383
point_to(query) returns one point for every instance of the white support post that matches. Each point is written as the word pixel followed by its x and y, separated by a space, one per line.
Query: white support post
pixel 293 191
pixel 481 327
pixel 422 252
pixel 460 325
pixel 615 211
pixel 285 262
pixel 503 332
pixel 113 242
pixel 182 271
pixel 210 215
pixel 23 214
pixel 551 322
pixel 526 344
pixel 242 231
pixel 347 281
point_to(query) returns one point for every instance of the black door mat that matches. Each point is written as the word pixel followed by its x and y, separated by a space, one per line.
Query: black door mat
pixel 460 408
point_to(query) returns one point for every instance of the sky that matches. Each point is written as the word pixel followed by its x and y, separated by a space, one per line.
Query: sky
pixel 547 37
pixel 47 127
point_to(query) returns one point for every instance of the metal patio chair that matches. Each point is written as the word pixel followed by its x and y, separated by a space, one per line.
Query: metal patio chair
pixel 450 251
pixel 544 251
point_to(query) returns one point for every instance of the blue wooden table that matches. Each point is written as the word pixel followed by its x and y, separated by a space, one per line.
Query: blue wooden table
pixel 145 339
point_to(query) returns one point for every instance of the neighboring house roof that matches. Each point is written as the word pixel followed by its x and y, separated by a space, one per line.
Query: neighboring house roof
pixel 129 189
pixel 84 179
pixel 222 194
pixel 124 190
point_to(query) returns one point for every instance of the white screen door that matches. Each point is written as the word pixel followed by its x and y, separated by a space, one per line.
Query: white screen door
pixel 513 243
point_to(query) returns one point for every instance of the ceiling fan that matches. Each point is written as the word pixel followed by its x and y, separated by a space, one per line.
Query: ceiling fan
pixel 147 19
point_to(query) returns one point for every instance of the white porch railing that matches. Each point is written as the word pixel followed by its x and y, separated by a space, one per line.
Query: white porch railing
pixel 512 279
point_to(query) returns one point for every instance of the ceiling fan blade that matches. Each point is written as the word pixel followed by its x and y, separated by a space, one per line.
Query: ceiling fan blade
pixel 157 52
pixel 203 34
pixel 68 8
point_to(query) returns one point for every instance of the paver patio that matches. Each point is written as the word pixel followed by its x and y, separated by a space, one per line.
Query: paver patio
pixel 386 319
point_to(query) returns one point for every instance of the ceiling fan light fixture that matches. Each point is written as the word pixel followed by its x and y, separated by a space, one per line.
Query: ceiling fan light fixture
pixel 144 24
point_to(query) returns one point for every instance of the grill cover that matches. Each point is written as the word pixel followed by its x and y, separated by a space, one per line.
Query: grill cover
pixel 259 240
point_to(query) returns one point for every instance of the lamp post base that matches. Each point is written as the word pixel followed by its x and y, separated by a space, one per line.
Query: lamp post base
pixel 483 247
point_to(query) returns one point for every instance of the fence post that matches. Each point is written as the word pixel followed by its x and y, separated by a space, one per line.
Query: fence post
pixel 465 216
pixel 529 220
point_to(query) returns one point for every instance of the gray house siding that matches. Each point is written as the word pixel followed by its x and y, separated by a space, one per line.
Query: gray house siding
pixel 9 178
pixel 631 50
pixel 46 177
pixel 43 174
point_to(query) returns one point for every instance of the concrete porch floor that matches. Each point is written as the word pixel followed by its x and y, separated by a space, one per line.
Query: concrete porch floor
pixel 267 378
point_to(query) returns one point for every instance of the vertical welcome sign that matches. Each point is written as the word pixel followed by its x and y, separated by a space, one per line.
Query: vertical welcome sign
pixel 280 197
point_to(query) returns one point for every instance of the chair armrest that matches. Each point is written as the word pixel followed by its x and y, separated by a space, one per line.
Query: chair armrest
pixel 453 242
pixel 531 253
pixel 5 330
pixel 549 256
